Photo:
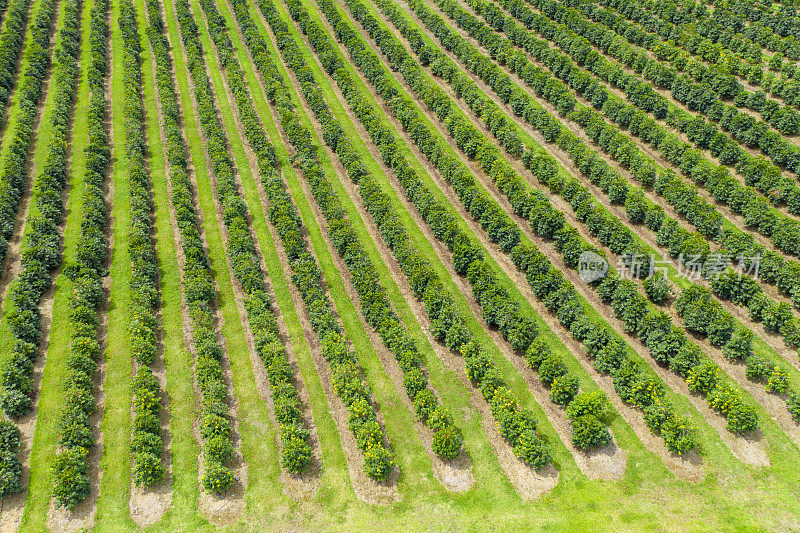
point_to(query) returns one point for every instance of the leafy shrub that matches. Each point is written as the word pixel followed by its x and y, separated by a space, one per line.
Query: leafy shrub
pixel 217 478
pixel 9 436
pixel 447 442
pixel 740 346
pixel 144 442
pixel 218 449
pixel 147 469
pixel 703 377
pixel 759 368
pixel 296 454
pixel 793 403
pixel 378 462
pixel 551 369
pixel 71 472
pixel 532 449
pixel 686 359
pixel 589 432
pixel 564 389
pixel 215 425
pixel 656 415
pixel 679 434
pixel 742 418
pixel 657 288
pixel 414 381
pixel 778 381
pixel 723 398
pixel 424 404
pixel 10 473
pixel 591 403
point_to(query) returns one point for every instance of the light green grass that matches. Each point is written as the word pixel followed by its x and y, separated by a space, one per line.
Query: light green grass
pixel 647 498
pixel 116 423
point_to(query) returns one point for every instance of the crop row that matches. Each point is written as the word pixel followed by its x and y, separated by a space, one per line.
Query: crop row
pixel 704 95
pixel 588 431
pixel 740 55
pixel 698 34
pixel 144 326
pixel 286 399
pixel 10 465
pixel 740 419
pixel 776 270
pixel 544 279
pixel 24 317
pixel 700 213
pixel 346 373
pixel 732 18
pixel 42 249
pixel 241 247
pixel 375 306
pixel 775 316
pixel 765 177
pixel 72 484
pixel 652 326
pixel 704 135
pixel 11 41
pixel 784 119
pixel 196 276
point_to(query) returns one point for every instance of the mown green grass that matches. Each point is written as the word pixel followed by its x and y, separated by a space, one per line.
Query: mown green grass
pixel 116 423
pixel 51 390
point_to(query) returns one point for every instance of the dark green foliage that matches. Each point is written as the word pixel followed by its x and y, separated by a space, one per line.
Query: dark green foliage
pixel 588 432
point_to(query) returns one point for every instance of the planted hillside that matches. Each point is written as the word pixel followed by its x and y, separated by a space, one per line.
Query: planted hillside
pixel 399 265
